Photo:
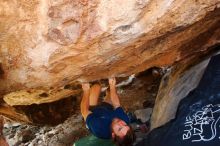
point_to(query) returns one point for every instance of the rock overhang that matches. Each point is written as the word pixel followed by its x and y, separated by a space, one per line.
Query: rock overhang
pixel 46 45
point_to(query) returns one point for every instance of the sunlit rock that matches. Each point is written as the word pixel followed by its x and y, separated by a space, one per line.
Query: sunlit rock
pixel 46 45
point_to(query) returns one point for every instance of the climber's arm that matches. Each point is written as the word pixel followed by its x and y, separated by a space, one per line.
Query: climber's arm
pixel 84 106
pixel 113 93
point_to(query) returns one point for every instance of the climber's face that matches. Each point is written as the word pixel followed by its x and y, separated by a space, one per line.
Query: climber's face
pixel 119 128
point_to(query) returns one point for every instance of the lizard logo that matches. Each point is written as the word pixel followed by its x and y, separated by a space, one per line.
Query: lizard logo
pixel 203 125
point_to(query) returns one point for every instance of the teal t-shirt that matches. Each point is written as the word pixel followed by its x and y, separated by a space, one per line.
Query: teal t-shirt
pixel 94 141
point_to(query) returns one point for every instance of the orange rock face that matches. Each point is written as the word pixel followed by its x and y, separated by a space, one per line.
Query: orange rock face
pixel 45 45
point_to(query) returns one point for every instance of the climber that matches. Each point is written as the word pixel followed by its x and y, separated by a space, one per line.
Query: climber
pixel 106 120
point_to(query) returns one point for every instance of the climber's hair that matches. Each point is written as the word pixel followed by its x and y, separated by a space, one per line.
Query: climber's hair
pixel 127 140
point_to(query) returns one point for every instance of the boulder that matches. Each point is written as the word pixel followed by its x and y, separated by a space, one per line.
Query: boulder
pixel 46 45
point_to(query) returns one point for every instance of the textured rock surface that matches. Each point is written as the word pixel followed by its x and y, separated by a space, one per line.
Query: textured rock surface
pixel 47 45
pixel 61 135
pixel 143 114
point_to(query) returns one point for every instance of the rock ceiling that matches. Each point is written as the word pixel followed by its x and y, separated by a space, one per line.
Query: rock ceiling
pixel 46 45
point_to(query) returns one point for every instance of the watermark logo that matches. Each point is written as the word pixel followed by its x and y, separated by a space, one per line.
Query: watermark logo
pixel 204 125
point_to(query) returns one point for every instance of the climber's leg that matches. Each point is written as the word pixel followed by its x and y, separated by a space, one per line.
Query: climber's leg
pixel 94 94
